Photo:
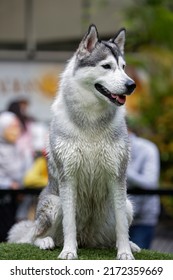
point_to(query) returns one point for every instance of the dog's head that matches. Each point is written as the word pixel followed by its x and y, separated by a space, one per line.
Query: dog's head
pixel 102 64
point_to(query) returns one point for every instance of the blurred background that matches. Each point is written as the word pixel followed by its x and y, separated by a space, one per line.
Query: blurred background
pixel 38 36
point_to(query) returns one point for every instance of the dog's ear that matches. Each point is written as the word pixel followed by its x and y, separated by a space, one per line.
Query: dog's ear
pixel 119 39
pixel 88 43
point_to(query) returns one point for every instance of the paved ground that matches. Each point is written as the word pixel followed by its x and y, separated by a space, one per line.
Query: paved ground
pixel 163 241
pixel 163 245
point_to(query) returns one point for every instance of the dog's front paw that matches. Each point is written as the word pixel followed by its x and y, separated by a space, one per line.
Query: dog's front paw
pixel 125 256
pixel 68 255
pixel 44 243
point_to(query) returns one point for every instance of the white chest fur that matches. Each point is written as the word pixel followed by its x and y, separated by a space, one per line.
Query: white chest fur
pixel 92 160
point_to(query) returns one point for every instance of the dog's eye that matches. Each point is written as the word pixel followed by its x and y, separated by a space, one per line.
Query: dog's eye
pixel 106 66
pixel 124 66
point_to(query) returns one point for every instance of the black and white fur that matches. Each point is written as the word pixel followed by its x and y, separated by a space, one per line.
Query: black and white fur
pixel 85 203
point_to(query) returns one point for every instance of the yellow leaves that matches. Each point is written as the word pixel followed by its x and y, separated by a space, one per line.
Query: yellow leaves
pixel 48 84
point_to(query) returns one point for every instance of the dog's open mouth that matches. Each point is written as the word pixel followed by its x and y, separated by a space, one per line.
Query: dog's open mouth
pixel 115 98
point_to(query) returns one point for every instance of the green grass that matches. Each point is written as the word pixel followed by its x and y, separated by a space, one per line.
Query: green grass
pixel 28 252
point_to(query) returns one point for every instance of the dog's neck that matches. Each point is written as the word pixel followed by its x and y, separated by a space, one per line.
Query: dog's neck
pixel 87 114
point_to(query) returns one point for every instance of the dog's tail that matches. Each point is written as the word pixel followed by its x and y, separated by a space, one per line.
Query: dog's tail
pixel 22 232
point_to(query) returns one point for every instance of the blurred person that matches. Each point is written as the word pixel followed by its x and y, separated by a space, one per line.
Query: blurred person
pixel 12 168
pixel 33 134
pixel 20 107
pixel 143 172
pixel 31 143
pixel 37 175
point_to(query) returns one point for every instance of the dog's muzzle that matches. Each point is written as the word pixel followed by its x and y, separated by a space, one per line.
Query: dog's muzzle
pixel 118 99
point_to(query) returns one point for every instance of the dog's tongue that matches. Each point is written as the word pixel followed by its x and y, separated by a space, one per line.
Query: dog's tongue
pixel 120 98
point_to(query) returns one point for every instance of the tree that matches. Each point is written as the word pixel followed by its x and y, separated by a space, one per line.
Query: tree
pixel 149 23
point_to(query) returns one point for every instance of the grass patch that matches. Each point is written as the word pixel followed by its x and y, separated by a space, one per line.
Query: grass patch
pixel 29 252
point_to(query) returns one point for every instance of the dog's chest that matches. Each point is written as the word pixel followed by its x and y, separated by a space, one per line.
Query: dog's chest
pixel 94 161
pixel 95 158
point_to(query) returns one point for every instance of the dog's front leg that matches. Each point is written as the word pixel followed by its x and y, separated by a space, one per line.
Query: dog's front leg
pixel 68 202
pixel 121 222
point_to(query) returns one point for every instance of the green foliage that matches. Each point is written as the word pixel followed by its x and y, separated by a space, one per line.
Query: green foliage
pixel 149 24
pixel 150 27
pixel 29 252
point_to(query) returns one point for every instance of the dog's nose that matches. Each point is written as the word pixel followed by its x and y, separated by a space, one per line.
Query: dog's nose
pixel 130 85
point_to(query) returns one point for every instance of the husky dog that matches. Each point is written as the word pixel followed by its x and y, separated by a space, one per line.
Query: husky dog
pixel 85 203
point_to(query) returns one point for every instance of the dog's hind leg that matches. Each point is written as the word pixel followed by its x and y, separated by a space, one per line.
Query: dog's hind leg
pixel 135 248
pixel 49 215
